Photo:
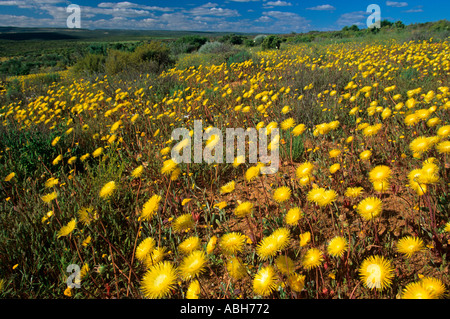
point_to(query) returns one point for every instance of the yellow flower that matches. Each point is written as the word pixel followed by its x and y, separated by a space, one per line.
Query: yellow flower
pixel 57 160
pixel 334 168
pixel 337 246
pixel 243 209
pixel 193 265
pixel 137 172
pixel 67 229
pixel 312 259
pixel 376 272
pixel 304 170
pixel 145 248
pixel 87 214
pixel 409 245
pixel 9 177
pixel 193 290
pixel 282 194
pixel 370 208
pixel 305 238
pixel 228 187
pixel 285 264
pixel 287 124
pixel 51 182
pixel 150 207
pixel 56 140
pixel 183 222
pixel 444 131
pixel 334 153
pixel 296 282
pixel 168 166
pixel 434 285
pixel 264 281
pixel 68 292
pixel 232 243
pixel 293 216
pixel 420 145
pixel 443 147
pixel 235 268
pixel 252 173
pixel 97 152
pixel 380 173
pixel 211 245
pixel 107 189
pixel 159 281
pixel 189 244
pixel 353 191
pixel 416 290
pixel 49 197
pixel 365 155
pixel 299 129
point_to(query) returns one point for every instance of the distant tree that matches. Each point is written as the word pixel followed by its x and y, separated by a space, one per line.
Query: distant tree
pixel 192 42
pixel 271 42
pixel 354 28
pixel 232 39
pixel 399 25
pixel 386 23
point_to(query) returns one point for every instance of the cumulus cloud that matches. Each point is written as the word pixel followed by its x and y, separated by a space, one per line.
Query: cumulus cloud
pixel 396 4
pixel 324 7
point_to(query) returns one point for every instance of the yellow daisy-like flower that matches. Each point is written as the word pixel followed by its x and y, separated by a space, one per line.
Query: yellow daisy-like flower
pixel 264 281
pixel 447 227
pixel 353 192
pixel 293 216
pixel 107 189
pixel 270 245
pixel 381 173
pixel 304 170
pixel 145 248
pixel 193 264
pixel 57 160
pixel 232 243
pixel 156 256
pixel 285 264
pixel 71 160
pixel 372 129
pixel 334 153
pixel 436 286
pixel 150 207
pixel 376 272
pixel 337 246
pixel 305 238
pixel 189 244
pixel 312 259
pixel 236 268
pixel 416 290
pixel 183 222
pixel 67 229
pixel 168 166
pixel 420 145
pixel 9 177
pixel 211 245
pixel 444 131
pixel 409 245
pixel 334 168
pixel 51 182
pixel 252 173
pixel 68 292
pixel 97 152
pixel 365 155
pixel 228 187
pixel 298 130
pixel 443 147
pixel 56 140
pixel 296 282
pixel 287 124
pixel 243 209
pixel 137 172
pixel 49 197
pixel 370 208
pixel 87 214
pixel 159 281
pixel 282 194
pixel 193 290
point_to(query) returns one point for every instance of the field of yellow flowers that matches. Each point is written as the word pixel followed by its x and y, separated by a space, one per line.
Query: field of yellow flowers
pixel 359 207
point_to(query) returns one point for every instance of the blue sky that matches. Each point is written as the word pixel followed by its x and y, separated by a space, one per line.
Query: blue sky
pixel 270 16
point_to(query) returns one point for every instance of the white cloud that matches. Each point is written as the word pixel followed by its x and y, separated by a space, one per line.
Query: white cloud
pixel 396 4
pixel 277 4
pixel 358 18
pixel 324 7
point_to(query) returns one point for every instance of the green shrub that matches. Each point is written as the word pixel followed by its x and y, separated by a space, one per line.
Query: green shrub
pixel 215 47
pixel 90 64
pixel 271 42
pixel 240 57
